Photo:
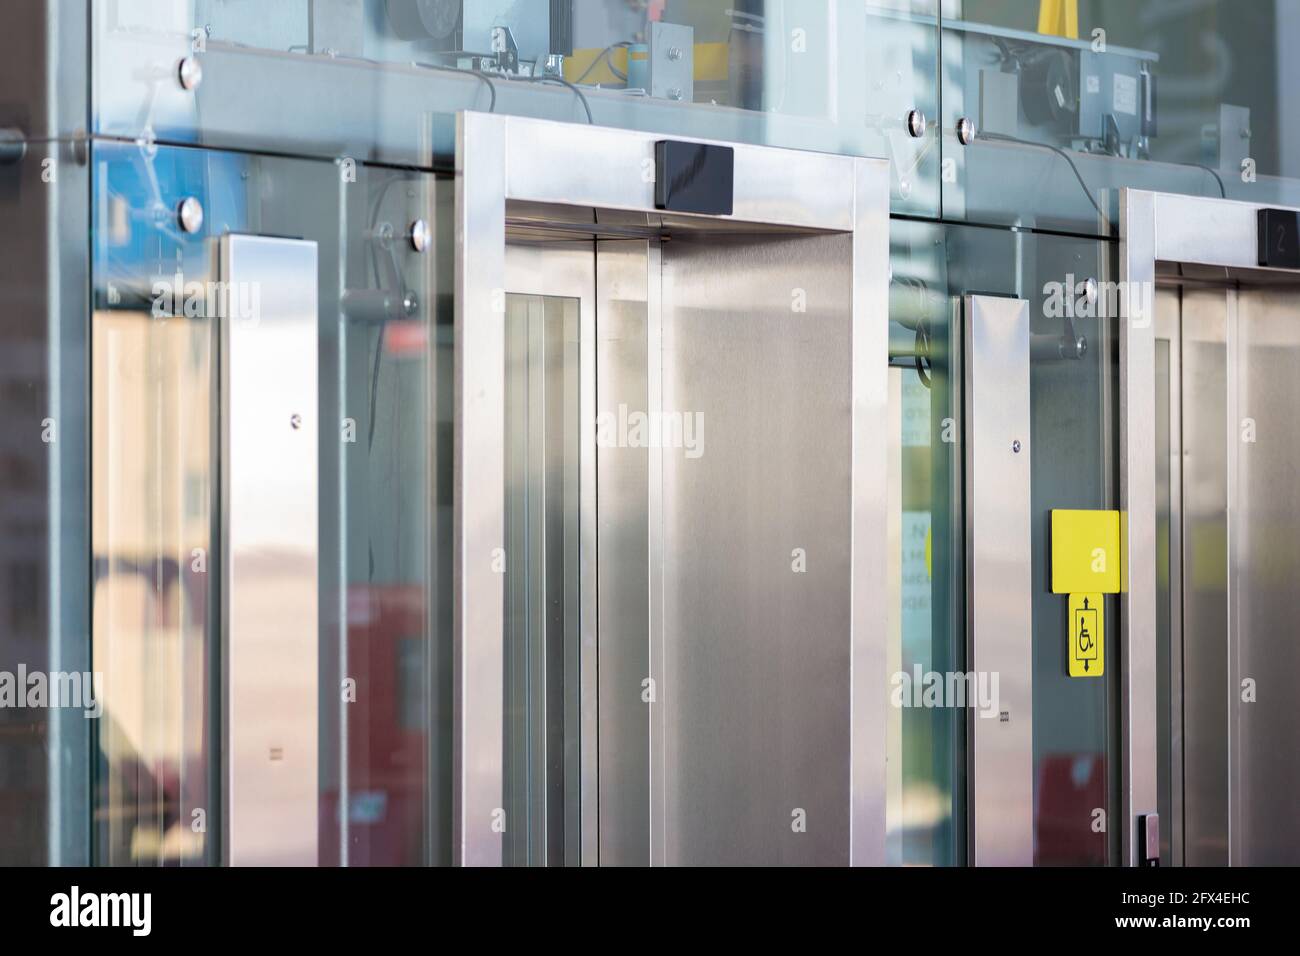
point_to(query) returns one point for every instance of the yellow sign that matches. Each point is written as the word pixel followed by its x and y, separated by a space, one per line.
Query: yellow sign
pixel 1085 552
pixel 1087 635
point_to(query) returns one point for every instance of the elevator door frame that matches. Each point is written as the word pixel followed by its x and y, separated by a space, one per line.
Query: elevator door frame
pixel 1157 228
pixel 502 159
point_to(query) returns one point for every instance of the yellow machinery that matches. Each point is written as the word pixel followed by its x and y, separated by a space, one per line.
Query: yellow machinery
pixel 1059 18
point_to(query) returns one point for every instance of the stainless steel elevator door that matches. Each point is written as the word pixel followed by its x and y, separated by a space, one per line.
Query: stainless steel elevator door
pixel 548 552
pixel 1231 499
pixel 751 753
pixel 720 705
pixel 1264 598
pixel 730 679
pixel 1192 324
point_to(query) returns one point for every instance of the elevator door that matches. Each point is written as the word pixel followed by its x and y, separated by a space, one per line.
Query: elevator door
pixel 683 605
pixel 671 508
pixel 1228 456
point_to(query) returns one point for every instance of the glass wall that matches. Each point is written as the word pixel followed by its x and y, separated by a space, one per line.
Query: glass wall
pixel 1072 443
pixel 381 79
pixel 384 503
pixel 333 121
pixel 1070 100
pixel 49 698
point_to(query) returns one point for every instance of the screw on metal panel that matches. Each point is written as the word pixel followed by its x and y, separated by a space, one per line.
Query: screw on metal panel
pixel 420 235
pixel 1015 446
pixel 674 53
pixel 295 421
pixel 916 123
pixel 965 131
pixel 190 214
pixel 189 72
pixel 675 93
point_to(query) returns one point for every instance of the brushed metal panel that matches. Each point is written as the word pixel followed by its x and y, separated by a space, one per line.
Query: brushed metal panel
pixel 623 607
pixel 773 186
pixel 869 532
pixel 269 430
pixel 1205 575
pixel 1169 502
pixel 1139 657
pixel 478 493
pixel 555 462
pixel 1264 547
pixel 999 578
pixel 755 687
pixel 1214 232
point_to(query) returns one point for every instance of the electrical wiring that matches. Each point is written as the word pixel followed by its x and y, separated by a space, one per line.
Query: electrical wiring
pixel 604 55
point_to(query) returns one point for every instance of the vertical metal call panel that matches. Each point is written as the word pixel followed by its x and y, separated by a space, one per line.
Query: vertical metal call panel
pixel 268 586
pixel 998 580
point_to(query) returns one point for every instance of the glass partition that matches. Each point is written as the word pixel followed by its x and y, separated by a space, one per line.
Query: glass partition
pixel 1070 100
pixel 49 695
pixel 384 462
pixel 381 79
pixel 1072 445
pixel 926 752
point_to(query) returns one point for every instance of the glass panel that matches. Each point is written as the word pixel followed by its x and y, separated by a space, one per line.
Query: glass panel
pixel 926 795
pixel 1072 444
pixel 541 579
pixel 830 75
pixel 152 367
pixel 152 506
pixel 1074 99
pixel 49 696
pixel 385 509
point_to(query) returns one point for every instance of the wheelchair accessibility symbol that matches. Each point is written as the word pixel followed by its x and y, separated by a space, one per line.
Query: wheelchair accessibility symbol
pixel 1087 635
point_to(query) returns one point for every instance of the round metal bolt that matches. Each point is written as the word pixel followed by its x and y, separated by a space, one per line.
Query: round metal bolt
pixel 420 236
pixel 190 215
pixel 1015 446
pixel 675 93
pixel 1080 347
pixel 190 73
pixel 916 123
pixel 13 145
pixel 965 131
pixel 674 53
pixel 295 421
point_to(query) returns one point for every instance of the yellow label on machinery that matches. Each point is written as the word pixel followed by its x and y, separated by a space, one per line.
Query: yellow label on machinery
pixel 1085 552
pixel 1087 635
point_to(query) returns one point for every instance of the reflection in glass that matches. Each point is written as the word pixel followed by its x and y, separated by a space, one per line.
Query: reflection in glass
pixel 153 468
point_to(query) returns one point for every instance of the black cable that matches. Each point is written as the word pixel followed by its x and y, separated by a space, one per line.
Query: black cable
pixel 1223 192
pixel 1087 190
pixel 492 88
pixel 487 80
pixel 563 82
pixel 602 55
